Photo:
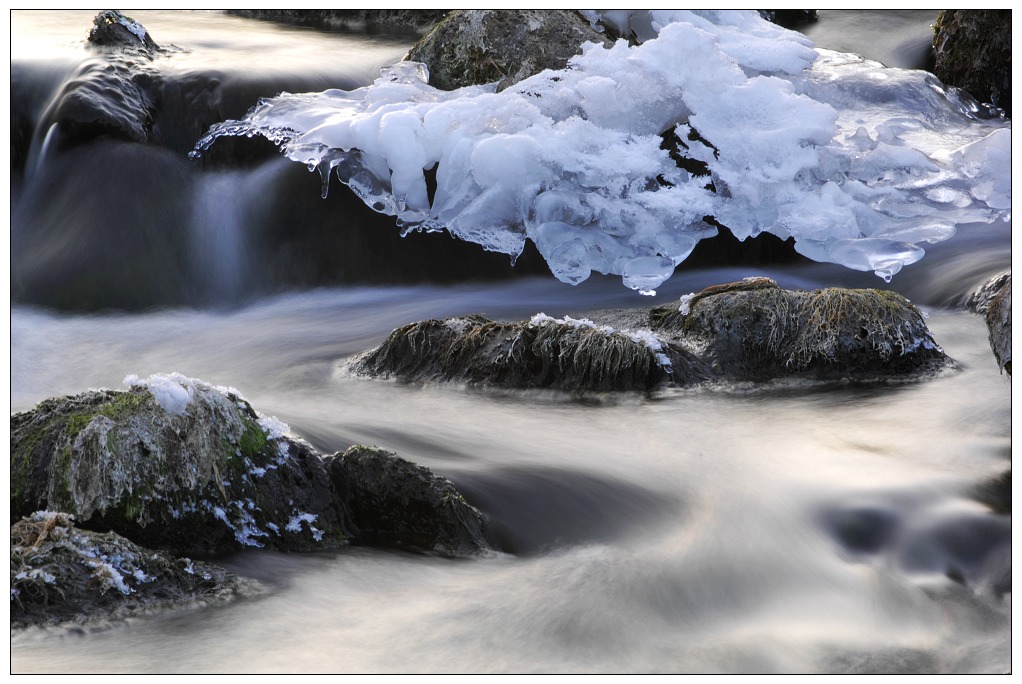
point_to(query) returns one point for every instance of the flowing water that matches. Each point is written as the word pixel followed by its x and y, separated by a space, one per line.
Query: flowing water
pixel 788 528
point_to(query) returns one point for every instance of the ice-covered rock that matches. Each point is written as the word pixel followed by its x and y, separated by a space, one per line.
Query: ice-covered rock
pixel 395 502
pixel 859 163
pixel 61 574
pixel 172 463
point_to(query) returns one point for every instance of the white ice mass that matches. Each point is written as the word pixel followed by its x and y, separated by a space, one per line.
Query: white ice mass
pixel 859 163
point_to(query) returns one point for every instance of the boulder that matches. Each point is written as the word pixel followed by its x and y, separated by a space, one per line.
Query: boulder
pixel 174 463
pixel 973 52
pixel 750 331
pixel 110 28
pixel 474 47
pixel 63 574
pixel 993 301
pixel 110 95
pixel 394 502
pixel 789 18
pixel 754 330
pixel 566 354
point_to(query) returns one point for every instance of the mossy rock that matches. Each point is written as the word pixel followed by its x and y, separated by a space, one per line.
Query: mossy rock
pixel 62 574
pixel 474 47
pixel 394 502
pixel 756 331
pixel 203 477
pixel 566 354
pixel 749 331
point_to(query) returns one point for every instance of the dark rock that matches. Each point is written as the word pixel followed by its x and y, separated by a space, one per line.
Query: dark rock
pixel 199 473
pixel 996 493
pixel 62 574
pixel 394 502
pixel 416 21
pixel 109 96
pixel 979 301
pixel 473 47
pixel 973 52
pixel 790 18
pixel 998 318
pixel 563 354
pixel 993 301
pixel 751 331
pixel 113 29
pixel 103 98
pixel 754 330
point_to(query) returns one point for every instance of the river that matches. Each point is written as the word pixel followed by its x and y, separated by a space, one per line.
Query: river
pixel 788 528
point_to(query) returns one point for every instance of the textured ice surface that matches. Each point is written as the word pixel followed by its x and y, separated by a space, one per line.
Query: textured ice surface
pixel 858 162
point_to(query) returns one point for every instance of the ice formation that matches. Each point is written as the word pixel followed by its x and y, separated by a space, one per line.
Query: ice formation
pixel 857 162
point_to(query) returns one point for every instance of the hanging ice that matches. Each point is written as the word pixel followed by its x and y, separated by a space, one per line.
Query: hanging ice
pixel 858 162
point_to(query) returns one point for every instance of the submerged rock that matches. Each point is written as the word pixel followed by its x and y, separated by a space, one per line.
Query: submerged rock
pixel 996 493
pixel 395 502
pixel 173 463
pixel 750 331
pixel 973 52
pixel 63 574
pixel 473 47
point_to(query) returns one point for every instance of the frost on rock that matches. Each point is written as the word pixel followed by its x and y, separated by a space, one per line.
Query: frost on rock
pixel 174 462
pixel 859 163
pixel 60 573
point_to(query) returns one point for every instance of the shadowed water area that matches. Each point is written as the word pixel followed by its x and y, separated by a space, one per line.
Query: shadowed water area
pixel 780 527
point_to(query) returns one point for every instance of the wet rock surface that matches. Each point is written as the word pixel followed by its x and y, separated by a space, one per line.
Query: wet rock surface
pixel 204 476
pixel 473 47
pixel 566 354
pixel 993 301
pixel 395 502
pixel 177 464
pixel 750 331
pixel 62 574
pixel 111 95
pixel 110 28
pixel 973 52
pixel 755 330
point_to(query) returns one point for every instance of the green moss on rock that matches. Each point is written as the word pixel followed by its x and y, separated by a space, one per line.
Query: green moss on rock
pixel 749 331
pixel 205 479
pixel 474 47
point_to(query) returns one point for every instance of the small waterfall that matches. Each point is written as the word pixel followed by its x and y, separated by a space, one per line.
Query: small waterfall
pixel 219 249
pixel 40 152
